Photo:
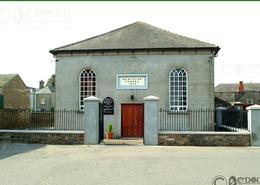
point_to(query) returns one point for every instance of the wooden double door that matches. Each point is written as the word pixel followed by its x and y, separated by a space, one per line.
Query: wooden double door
pixel 132 120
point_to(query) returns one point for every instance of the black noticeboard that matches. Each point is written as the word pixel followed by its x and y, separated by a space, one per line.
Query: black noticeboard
pixel 108 105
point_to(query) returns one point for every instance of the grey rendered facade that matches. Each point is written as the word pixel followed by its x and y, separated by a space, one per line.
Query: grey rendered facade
pixel 156 60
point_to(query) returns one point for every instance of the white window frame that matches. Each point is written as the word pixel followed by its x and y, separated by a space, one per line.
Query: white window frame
pixel 250 101
pixel 42 101
pixel 178 107
pixel 92 93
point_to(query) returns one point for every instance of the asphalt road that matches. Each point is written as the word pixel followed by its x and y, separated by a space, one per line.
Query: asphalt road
pixel 24 164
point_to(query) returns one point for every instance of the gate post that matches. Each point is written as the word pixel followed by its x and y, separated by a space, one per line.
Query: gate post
pixel 254 124
pixel 91 120
pixel 151 118
pixel 219 114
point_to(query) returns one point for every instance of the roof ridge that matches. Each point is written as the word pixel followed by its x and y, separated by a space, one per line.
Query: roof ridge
pixel 7 77
pixel 9 74
pixel 238 83
pixel 46 89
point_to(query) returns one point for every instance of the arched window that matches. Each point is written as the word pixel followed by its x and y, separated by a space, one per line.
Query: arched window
pixel 178 90
pixel 87 86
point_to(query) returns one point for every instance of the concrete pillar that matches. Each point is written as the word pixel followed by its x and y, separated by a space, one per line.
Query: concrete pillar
pixel 219 116
pixel 91 120
pixel 151 118
pixel 254 124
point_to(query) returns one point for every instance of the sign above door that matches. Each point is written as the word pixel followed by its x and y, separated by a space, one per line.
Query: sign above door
pixel 132 81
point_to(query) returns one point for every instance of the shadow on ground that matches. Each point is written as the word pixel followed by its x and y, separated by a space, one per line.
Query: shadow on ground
pixel 10 149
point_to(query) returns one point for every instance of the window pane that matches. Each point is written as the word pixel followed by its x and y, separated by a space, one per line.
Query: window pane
pixel 87 85
pixel 178 89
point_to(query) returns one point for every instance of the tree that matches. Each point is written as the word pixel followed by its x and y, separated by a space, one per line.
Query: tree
pixel 51 81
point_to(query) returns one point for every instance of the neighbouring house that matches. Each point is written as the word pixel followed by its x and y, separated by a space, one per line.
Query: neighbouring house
pixel 221 103
pixel 243 94
pixel 45 98
pixel 123 66
pixel 13 92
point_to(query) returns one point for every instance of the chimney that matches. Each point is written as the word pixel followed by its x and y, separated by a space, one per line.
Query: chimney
pixel 241 87
pixel 41 84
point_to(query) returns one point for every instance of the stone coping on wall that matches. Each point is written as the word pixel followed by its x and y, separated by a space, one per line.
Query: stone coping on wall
pixel 42 131
pixel 204 138
pixel 205 132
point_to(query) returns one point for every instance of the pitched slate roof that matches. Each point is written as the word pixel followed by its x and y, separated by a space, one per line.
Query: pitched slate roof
pixel 234 87
pixel 138 35
pixel 46 90
pixel 5 78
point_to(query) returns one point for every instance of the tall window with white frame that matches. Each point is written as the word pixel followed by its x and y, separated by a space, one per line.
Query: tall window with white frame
pixel 178 90
pixel 87 85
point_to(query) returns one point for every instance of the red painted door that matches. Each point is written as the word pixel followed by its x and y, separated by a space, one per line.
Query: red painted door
pixel 132 120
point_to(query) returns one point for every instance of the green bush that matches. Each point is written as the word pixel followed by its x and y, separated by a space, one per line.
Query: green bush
pixel 109 127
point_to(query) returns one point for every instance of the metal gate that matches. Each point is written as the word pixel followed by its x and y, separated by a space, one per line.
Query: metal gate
pixel 235 119
pixel 101 122
pixel 1 101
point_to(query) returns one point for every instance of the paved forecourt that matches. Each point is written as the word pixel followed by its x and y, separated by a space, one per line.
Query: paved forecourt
pixel 105 164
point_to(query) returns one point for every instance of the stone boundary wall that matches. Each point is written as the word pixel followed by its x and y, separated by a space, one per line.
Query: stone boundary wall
pixel 42 137
pixel 165 138
pixel 204 139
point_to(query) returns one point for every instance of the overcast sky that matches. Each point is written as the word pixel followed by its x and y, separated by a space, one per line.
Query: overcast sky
pixel 28 30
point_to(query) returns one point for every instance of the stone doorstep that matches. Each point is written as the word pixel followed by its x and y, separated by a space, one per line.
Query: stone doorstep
pixel 124 141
